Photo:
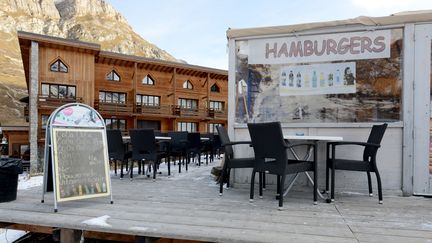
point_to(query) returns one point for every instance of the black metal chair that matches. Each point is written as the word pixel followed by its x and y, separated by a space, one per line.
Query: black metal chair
pixel 145 148
pixel 165 147
pixel 230 161
pixel 366 164
pixel 217 145
pixel 271 156
pixel 117 150
pixel 208 146
pixel 194 147
pixel 179 143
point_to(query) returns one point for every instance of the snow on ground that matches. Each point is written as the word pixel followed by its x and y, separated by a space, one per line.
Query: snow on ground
pixel 99 221
pixel 26 182
pixel 10 235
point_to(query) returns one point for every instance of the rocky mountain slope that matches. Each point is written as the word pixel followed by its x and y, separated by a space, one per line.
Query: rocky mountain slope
pixel 86 20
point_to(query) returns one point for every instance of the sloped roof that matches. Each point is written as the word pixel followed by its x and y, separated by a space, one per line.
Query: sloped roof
pixel 394 19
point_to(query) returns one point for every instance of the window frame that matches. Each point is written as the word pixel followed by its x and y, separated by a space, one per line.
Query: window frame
pixel 217 105
pixel 187 126
pixel 188 85
pixel 156 100
pixel 116 123
pixel 59 64
pixel 217 89
pixel 111 76
pixel 211 128
pixel 148 78
pixel 45 91
pixel 188 103
pixel 121 97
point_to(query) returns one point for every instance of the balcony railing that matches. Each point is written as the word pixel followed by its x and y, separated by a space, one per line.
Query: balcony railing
pixel 113 107
pixel 162 110
pixel 170 111
pixel 217 114
pixel 52 103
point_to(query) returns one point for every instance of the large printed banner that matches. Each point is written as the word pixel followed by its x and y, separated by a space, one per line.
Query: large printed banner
pixel 334 78
pixel 320 48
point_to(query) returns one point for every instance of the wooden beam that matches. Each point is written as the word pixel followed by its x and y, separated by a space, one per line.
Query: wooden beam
pixel 134 92
pixel 70 235
pixel 31 228
pixel 174 88
pixel 145 239
pixel 108 236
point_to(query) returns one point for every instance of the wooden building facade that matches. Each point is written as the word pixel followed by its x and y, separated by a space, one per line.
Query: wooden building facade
pixel 128 91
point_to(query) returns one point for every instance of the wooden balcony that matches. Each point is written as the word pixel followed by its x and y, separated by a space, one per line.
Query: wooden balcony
pixel 217 114
pixel 45 102
pixel 159 110
pixel 114 108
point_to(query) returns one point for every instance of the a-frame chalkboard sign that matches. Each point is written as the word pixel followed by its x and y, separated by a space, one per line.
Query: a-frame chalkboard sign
pixel 76 150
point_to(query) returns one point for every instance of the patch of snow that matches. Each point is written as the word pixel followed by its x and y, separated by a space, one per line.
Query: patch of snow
pixel 99 221
pixel 10 235
pixel 135 228
pixel 353 193
pixel 427 226
pixel 25 182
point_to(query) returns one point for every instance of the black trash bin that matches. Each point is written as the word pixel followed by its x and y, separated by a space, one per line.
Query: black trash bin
pixel 9 170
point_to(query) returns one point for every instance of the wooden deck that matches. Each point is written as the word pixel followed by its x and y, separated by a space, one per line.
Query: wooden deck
pixel 188 206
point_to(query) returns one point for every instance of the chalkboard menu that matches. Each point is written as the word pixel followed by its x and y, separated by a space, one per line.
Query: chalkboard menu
pixel 80 163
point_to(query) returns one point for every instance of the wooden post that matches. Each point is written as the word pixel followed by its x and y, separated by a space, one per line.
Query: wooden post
pixel 70 235
pixel 174 97
pixel 134 89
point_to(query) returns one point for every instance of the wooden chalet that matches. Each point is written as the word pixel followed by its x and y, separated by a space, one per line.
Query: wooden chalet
pixel 128 91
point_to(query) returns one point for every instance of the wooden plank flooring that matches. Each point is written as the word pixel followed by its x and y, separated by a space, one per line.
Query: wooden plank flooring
pixel 188 206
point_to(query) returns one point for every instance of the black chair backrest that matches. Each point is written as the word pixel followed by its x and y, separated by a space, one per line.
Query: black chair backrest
pixel 143 141
pixel 375 137
pixel 178 139
pixel 216 141
pixel 194 140
pixel 224 139
pixel 268 143
pixel 116 148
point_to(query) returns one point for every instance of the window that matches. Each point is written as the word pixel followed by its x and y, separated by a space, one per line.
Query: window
pixel 187 85
pixel 58 91
pixel 156 125
pixel 212 127
pixel 148 100
pixel 188 103
pixel 215 88
pixel 58 66
pixel 113 76
pixel 118 124
pixel 112 97
pixel 148 80
pixel 187 126
pixel 216 105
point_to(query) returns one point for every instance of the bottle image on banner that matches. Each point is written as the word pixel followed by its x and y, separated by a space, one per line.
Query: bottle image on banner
pixel 306 82
pixel 283 77
pixel 338 81
pixel 80 190
pixel 330 79
pixel 291 79
pixel 314 80
pixel 298 80
pixel 322 80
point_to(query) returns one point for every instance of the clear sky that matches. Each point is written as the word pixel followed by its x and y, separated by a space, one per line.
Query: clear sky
pixel 195 30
